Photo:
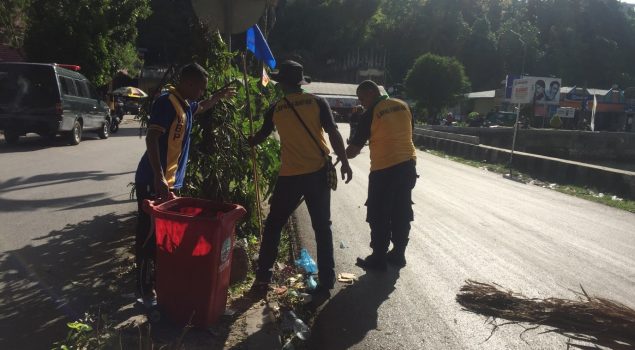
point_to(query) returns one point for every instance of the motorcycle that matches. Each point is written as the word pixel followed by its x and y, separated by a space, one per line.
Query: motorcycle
pixel 118 114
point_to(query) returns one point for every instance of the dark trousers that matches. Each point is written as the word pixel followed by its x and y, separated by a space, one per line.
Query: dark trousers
pixel 286 197
pixel 145 242
pixel 389 206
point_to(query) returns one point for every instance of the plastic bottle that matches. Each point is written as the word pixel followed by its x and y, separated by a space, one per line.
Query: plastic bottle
pixel 300 328
pixel 310 283
pixel 306 262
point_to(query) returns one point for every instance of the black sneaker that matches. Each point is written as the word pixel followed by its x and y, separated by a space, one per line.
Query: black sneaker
pixel 372 262
pixel 396 259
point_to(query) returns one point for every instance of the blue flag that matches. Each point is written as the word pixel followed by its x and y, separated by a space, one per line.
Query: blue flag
pixel 257 44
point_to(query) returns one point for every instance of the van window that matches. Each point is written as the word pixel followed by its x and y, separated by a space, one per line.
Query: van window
pixel 93 92
pixel 68 87
pixel 82 89
pixel 27 86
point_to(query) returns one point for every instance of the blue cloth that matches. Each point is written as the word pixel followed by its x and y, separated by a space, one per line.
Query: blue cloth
pixel 257 44
pixel 163 117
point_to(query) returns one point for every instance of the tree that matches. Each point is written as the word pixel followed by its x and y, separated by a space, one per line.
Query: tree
pixel 13 21
pixel 436 82
pixel 480 56
pixel 98 35
pixel 173 34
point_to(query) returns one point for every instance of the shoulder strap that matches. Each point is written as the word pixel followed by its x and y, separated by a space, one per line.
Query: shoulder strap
pixel 305 127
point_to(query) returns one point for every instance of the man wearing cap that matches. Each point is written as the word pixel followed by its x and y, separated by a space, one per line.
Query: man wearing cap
pixel 387 123
pixel 300 119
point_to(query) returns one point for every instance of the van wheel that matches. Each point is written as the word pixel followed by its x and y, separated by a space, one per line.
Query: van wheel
pixel 104 132
pixel 12 137
pixel 75 137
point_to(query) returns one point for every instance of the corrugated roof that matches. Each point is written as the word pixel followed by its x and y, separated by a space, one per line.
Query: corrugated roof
pixel 597 92
pixel 482 94
pixel 321 88
pixel 9 54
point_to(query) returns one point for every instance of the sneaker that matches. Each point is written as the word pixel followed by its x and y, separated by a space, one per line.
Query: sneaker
pixel 372 262
pixel 396 259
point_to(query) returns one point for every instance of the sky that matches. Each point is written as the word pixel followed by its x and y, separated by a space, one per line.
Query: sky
pixel 629 1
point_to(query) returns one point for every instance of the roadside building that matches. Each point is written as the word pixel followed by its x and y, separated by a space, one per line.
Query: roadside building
pixel 613 109
pixel 610 107
pixel 9 54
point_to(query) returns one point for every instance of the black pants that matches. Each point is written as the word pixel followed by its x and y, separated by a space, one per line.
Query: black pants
pixel 389 206
pixel 286 197
pixel 145 242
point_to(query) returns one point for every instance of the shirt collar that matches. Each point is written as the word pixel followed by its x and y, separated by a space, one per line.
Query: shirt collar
pixel 379 99
pixel 176 94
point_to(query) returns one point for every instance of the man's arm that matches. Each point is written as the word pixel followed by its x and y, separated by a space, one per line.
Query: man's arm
pixel 338 146
pixel 328 124
pixel 266 129
pixel 210 102
pixel 362 134
pixel 160 183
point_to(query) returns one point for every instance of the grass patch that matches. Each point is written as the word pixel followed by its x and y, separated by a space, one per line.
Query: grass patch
pixel 589 194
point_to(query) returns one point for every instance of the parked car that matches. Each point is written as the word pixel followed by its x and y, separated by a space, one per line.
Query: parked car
pixel 500 118
pixel 49 99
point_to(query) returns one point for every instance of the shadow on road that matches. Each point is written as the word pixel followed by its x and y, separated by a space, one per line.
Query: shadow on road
pixel 43 286
pixel 64 203
pixel 352 312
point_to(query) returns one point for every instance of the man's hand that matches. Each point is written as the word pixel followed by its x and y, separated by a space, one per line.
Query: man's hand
pixel 352 151
pixel 347 172
pixel 162 189
pixel 225 93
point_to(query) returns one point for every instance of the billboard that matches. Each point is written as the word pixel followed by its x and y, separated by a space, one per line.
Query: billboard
pixel 540 90
pixel 509 84
pixel 522 91
pixel 546 90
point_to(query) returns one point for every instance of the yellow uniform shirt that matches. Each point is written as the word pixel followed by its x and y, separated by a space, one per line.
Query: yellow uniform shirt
pixel 388 128
pixel 299 153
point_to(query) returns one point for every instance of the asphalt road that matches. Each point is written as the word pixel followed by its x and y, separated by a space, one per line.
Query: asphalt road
pixel 469 224
pixel 62 209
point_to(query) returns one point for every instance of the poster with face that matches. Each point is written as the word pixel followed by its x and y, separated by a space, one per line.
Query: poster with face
pixel 546 90
pixel 553 91
pixel 539 91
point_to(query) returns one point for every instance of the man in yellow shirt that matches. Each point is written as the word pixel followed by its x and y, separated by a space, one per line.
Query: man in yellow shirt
pixel 387 124
pixel 301 120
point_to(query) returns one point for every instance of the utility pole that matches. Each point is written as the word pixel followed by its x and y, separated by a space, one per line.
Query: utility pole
pixel 522 72
pixel 229 15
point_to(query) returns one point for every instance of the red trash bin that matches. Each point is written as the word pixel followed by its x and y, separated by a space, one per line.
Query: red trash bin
pixel 194 239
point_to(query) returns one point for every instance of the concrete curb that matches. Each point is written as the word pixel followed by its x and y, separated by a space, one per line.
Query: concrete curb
pixel 262 331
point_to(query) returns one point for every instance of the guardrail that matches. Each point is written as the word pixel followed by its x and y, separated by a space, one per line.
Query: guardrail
pixel 561 171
